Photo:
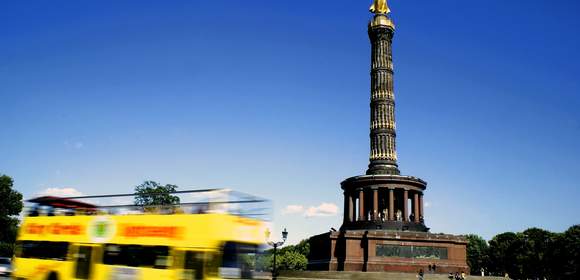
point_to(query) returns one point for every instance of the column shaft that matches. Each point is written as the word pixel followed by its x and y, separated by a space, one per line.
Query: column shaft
pixel 345 208
pixel 350 208
pixel 406 206
pixel 376 204
pixel 421 214
pixel 416 207
pixel 391 204
pixel 383 156
pixel 361 208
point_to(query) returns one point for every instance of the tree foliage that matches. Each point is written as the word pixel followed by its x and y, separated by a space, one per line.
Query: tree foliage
pixel 264 261
pixel 566 254
pixel 11 202
pixel 536 252
pixel 10 199
pixel 532 254
pixel 293 260
pixel 303 247
pixel 151 193
pixel 503 254
pixel 477 252
pixel 291 257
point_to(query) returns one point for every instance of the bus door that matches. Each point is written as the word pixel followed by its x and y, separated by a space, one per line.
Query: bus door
pixel 84 258
pixel 192 265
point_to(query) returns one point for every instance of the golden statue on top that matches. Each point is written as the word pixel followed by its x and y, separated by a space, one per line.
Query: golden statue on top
pixel 380 7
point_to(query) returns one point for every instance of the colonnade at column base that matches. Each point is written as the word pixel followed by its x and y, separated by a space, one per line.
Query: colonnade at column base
pixel 384 202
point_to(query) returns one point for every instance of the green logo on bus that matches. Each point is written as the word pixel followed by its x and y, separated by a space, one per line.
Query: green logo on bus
pixel 101 229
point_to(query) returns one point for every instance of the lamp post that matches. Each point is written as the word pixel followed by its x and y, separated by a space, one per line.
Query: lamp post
pixel 276 245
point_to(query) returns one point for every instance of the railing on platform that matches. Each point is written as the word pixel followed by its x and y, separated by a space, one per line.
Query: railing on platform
pixel 203 201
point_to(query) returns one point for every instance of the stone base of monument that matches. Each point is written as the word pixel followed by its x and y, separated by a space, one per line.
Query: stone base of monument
pixel 394 251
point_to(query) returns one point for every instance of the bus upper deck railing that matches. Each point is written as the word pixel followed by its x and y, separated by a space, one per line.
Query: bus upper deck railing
pixel 202 201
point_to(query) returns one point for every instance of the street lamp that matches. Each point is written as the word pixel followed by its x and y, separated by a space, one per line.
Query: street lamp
pixel 276 245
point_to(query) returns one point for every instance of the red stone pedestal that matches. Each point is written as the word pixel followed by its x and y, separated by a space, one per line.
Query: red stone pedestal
pixel 373 250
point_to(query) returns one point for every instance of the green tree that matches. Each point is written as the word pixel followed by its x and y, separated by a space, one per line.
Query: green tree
pixel 303 247
pixel 264 261
pixel 11 202
pixel 293 260
pixel 535 253
pixel 477 253
pixel 503 254
pixel 291 257
pixel 565 256
pixel 151 193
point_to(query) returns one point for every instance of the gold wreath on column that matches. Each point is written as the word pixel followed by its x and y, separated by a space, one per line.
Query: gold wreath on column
pixel 380 7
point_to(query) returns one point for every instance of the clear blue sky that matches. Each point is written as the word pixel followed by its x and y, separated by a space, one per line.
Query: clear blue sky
pixel 271 98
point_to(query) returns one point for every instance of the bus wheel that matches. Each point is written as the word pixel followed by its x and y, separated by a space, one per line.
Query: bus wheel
pixel 52 276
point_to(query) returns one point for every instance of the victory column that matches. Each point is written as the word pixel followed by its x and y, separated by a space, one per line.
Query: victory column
pixel 380 232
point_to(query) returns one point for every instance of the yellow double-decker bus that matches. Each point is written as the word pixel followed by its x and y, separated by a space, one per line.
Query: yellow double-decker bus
pixel 64 238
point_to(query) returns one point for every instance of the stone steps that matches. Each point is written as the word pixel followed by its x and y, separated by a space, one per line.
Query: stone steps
pixel 333 275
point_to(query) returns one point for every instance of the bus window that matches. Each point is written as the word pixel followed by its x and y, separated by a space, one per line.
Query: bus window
pixel 193 265
pixel 238 260
pixel 137 256
pixel 42 250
